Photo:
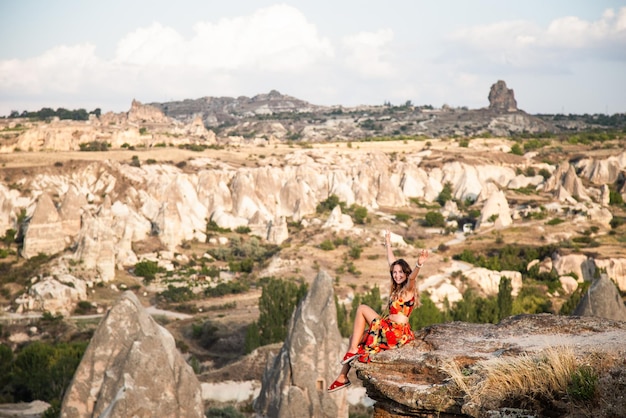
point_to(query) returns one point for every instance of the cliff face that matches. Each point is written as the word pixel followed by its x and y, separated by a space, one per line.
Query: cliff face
pixel 451 369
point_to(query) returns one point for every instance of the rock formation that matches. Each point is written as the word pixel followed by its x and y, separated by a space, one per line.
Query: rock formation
pixel 501 98
pixel 70 211
pixel 603 300
pixel 411 382
pixel 45 230
pixel 132 368
pixel 565 177
pixel 56 294
pixel 294 384
pixel 495 211
pixel 145 113
pixel 95 243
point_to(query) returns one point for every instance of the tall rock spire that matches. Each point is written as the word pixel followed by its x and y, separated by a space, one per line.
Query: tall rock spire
pixel 294 384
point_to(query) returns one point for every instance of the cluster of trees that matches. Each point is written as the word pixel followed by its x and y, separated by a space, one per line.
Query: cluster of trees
pixel 47 113
pixel 39 371
pixel 279 298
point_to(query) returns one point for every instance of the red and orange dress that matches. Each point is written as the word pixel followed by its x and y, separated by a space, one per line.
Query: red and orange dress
pixel 384 334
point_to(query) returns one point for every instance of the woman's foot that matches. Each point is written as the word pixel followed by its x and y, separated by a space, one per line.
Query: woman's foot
pixel 338 385
pixel 348 357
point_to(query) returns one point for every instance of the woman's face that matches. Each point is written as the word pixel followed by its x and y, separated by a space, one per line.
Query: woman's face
pixel 398 274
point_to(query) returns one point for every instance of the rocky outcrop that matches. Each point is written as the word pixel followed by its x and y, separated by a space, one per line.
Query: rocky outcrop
pixel 96 244
pixel 145 113
pixel 295 382
pixel 615 269
pixel 565 179
pixel 495 212
pixel 603 300
pixel 70 211
pixel 603 171
pixel 502 98
pixel 44 233
pixel 56 294
pixel 416 379
pixel 132 368
pixel 338 221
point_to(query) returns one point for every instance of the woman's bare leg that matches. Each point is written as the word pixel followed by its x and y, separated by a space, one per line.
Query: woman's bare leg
pixel 364 316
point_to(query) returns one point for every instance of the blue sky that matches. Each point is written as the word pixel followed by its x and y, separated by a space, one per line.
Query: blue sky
pixel 558 56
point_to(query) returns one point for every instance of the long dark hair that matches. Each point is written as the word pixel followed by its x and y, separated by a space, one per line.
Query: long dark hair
pixel 396 289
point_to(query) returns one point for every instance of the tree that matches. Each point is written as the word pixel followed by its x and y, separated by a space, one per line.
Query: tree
pixel 445 194
pixel 426 314
pixel 9 237
pixel 278 300
pixel 360 215
pixel 434 219
pixel 505 299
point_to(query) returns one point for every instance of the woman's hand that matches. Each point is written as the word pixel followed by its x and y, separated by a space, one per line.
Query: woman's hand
pixel 387 238
pixel 421 259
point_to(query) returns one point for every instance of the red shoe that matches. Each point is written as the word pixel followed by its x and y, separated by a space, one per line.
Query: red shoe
pixel 338 385
pixel 349 357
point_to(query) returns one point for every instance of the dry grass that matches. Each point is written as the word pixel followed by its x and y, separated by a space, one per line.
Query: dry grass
pixel 529 376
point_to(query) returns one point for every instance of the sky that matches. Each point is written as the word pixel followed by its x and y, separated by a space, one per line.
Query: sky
pixel 559 56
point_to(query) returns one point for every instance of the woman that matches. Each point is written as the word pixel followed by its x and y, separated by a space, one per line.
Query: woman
pixel 391 330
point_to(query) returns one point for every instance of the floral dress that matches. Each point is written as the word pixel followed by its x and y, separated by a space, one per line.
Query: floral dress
pixel 384 334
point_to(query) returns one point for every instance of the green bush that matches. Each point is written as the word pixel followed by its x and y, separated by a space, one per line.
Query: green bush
pixel 242 230
pixel 445 194
pixel 402 217
pixel 434 219
pixel 227 288
pixel 84 307
pixel 329 204
pixel 226 412
pixel 94 146
pixel 327 245
pixel 177 294
pixel 355 252
pixel 583 385
pixel 516 149
pixel 360 215
pixel 147 269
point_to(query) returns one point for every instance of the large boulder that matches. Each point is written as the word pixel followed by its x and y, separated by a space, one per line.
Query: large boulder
pixel 294 384
pixel 57 294
pixel 418 379
pixel 602 300
pixel 132 368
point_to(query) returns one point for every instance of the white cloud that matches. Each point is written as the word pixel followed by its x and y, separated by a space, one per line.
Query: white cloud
pixel 157 61
pixel 522 45
pixel 154 45
pixel 278 38
pixel 368 53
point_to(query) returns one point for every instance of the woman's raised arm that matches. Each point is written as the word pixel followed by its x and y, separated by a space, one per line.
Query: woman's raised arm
pixel 421 259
